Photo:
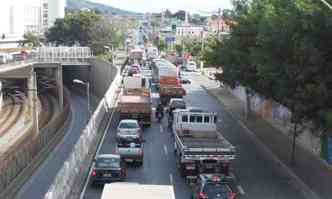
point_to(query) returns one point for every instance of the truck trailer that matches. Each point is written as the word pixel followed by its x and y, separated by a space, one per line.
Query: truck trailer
pixel 199 147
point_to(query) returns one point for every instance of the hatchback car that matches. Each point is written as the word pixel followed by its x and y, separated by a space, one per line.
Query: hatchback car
pixel 108 168
pixel 128 130
pixel 214 186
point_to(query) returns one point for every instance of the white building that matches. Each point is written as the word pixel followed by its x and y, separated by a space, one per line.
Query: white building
pixel 53 9
pixel 189 31
pixel 18 17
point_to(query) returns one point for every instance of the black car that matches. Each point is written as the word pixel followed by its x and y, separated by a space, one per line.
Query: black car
pixel 212 186
pixel 108 168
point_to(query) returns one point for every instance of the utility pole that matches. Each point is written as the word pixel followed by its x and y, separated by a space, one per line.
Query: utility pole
pixel 218 21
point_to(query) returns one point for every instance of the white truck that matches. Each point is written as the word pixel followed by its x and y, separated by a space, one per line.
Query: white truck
pixel 125 190
pixel 199 147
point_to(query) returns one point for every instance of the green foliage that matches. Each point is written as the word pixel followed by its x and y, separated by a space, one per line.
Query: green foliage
pixel 193 46
pixel 31 39
pixel 178 49
pixel 161 45
pixel 282 49
pixel 87 29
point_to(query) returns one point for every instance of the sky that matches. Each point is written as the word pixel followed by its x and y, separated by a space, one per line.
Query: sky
pixel 193 6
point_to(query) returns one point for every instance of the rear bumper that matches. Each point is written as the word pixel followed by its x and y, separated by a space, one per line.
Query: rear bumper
pixel 132 157
pixel 104 180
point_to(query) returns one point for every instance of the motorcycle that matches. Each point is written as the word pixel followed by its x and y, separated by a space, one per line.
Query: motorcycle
pixel 159 116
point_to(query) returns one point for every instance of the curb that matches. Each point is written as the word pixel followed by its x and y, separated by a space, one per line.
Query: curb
pixel 297 182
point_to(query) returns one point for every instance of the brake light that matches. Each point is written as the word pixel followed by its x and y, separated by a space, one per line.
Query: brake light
pixel 202 195
pixel 93 173
pixel 232 195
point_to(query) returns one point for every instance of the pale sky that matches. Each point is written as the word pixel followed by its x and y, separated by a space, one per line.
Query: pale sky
pixel 192 6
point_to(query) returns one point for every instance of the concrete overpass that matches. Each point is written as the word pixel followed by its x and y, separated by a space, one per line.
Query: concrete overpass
pixel 48 64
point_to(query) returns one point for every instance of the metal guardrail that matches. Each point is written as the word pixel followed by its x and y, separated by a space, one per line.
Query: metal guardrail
pixel 63 54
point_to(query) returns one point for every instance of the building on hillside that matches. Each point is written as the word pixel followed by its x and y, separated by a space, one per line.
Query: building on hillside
pixel 218 25
pixel 189 31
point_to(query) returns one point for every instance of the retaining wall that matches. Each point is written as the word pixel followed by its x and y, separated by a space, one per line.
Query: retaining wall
pixel 279 116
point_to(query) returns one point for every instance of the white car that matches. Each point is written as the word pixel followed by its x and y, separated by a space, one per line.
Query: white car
pixel 129 130
pixel 191 66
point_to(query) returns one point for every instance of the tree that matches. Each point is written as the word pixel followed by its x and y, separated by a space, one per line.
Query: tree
pixel 179 49
pixel 161 45
pixel 31 39
pixel 88 29
pixel 280 49
pixel 181 14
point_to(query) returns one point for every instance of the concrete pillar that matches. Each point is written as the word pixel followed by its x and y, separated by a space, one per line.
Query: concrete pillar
pixel 59 82
pixel 33 97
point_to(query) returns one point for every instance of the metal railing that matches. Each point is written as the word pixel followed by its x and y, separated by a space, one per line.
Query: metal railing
pixel 63 54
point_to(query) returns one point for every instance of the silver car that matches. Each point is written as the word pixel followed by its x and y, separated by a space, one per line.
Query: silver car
pixel 128 130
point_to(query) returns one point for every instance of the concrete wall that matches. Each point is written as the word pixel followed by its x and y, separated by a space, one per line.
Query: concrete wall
pixel 101 76
pixel 279 116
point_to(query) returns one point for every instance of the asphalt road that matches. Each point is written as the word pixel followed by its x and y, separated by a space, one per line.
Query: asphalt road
pixel 259 176
pixel 39 183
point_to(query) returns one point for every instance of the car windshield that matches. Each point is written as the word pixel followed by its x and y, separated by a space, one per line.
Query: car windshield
pixel 216 189
pixel 107 163
pixel 128 125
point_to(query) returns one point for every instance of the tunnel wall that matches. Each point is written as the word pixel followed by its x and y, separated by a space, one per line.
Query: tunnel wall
pixel 101 76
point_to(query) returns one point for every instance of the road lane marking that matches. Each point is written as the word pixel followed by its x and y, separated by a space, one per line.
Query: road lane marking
pixel 165 150
pixel 240 189
pixel 161 128
pixel 171 178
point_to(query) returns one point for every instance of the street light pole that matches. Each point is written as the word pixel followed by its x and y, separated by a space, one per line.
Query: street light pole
pixel 87 84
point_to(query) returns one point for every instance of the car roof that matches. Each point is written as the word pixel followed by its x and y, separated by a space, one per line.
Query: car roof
pixel 128 121
pixel 108 156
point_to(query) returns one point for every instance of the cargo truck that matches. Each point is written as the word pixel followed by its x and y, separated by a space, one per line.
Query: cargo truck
pixel 135 102
pixel 199 147
pixel 167 75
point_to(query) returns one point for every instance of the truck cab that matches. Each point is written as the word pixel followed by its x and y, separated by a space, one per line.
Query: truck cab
pixel 194 119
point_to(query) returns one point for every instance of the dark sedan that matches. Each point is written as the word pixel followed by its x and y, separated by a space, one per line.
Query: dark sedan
pixel 108 168
pixel 214 186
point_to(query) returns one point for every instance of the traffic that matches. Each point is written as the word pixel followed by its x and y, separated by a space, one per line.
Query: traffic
pixel 201 155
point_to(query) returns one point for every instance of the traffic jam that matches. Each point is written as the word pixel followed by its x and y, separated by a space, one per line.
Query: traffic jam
pixel 203 156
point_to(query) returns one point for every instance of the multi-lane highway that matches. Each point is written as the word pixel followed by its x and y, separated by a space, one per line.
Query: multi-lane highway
pixel 260 177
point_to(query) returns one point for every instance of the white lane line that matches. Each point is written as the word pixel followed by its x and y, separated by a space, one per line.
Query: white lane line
pixel 165 150
pixel 240 189
pixel 161 128
pixel 171 178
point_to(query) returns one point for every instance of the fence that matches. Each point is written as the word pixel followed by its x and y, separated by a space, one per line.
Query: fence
pixel 65 179
pixel 14 163
pixel 64 54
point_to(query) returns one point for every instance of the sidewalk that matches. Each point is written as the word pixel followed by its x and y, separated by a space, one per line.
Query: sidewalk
pixel 314 172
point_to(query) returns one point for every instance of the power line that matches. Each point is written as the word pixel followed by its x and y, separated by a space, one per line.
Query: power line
pixel 327 4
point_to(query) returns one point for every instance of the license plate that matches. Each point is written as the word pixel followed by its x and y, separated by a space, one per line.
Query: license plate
pixel 190 167
pixel 129 160
pixel 209 166
pixel 107 175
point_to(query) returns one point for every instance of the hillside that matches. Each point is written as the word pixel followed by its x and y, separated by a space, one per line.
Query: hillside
pixel 80 4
